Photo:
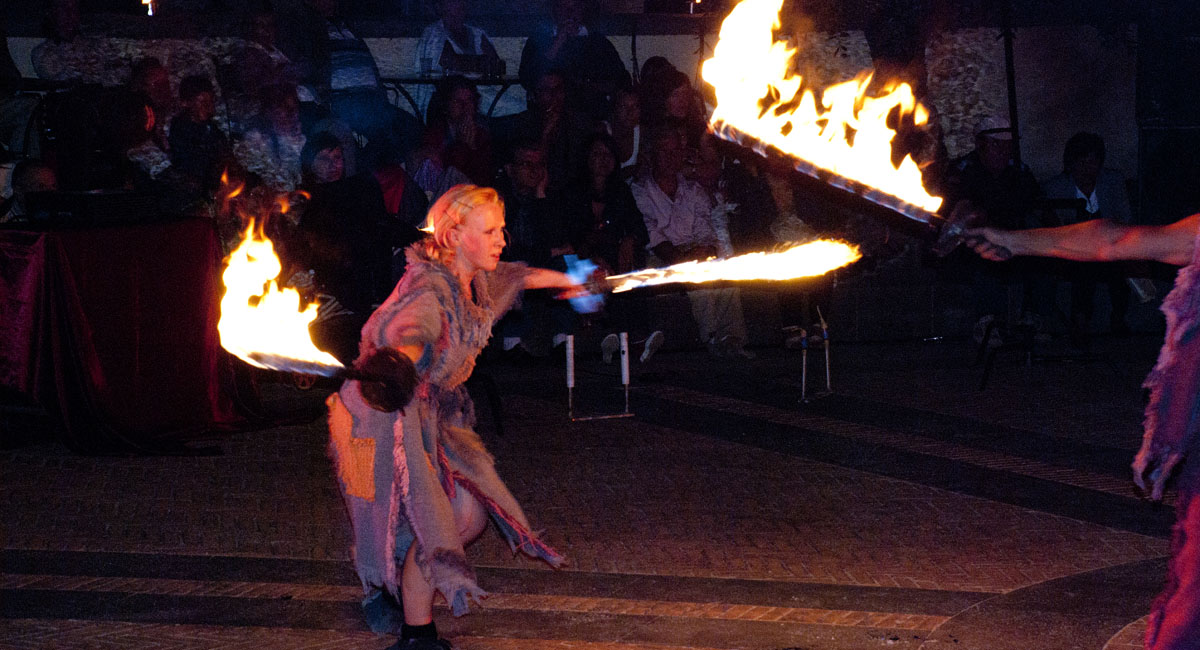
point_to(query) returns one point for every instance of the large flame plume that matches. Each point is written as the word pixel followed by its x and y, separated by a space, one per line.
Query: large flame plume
pixel 799 261
pixel 846 136
pixel 262 322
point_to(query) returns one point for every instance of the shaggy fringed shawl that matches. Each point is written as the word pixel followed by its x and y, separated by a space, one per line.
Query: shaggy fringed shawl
pixel 1172 413
pixel 419 458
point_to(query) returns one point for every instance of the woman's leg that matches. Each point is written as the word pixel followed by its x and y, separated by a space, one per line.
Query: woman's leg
pixel 416 593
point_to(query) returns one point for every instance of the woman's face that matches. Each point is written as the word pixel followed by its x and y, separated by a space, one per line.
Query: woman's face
pixel 461 106
pixel 627 110
pixel 679 102
pixel 328 165
pixel 601 161
pixel 285 116
pixel 481 238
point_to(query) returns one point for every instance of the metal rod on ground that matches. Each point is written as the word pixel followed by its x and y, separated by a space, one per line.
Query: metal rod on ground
pixel 803 365
pixel 625 366
pixel 825 342
pixel 623 337
pixel 571 376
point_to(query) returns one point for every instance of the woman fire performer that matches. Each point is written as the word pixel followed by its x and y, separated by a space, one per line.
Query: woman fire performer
pixel 1172 423
pixel 416 478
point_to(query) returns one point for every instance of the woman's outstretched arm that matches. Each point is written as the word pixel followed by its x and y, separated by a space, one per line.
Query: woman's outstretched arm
pixel 1092 241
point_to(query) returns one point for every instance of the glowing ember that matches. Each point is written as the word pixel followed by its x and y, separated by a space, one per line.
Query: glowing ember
pixel 262 323
pixel 850 138
pixel 800 261
pixel 150 4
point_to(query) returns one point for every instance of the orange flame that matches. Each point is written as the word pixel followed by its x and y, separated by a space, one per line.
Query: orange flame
pixel 262 323
pixel 800 261
pixel 848 135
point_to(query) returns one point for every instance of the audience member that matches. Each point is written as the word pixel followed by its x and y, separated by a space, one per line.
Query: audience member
pixel 1003 195
pixel 653 70
pixel 590 64
pixel 606 227
pixel 670 97
pixel 537 235
pixel 271 146
pixel 149 78
pixel 677 215
pixel 743 206
pixel 147 167
pixel 402 197
pixel 356 93
pixel 342 248
pixel 1101 195
pixel 549 121
pixel 624 125
pixel 198 147
pixel 258 64
pixel 605 224
pixel 16 110
pixel 28 176
pixel 455 137
pixel 452 46
pixel 68 54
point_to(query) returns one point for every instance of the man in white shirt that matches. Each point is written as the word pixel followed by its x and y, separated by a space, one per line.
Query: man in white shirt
pixel 676 211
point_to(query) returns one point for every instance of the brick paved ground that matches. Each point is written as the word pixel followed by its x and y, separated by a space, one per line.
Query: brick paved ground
pixel 906 510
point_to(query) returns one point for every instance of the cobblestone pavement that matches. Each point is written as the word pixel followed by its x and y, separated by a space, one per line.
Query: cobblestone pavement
pixel 908 509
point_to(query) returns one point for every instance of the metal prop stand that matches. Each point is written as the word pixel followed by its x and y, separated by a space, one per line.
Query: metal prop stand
pixel 624 338
pixel 804 343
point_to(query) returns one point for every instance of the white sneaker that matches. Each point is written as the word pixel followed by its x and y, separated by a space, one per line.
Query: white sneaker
pixel 608 347
pixel 653 343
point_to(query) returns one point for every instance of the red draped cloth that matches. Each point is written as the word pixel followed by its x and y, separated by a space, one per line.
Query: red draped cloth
pixel 113 331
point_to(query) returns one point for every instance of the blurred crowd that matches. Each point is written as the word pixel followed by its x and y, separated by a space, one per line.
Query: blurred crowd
pixel 605 164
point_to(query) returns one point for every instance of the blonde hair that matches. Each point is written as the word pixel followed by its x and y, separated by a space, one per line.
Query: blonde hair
pixel 450 210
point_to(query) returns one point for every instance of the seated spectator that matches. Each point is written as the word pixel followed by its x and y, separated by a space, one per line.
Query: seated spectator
pixel 256 65
pixel 342 248
pixel 653 70
pixel 743 207
pixel 537 235
pixel 69 55
pixel 262 64
pixel 1001 195
pixel 16 110
pixel 605 224
pixel 28 176
pixel 1101 195
pixel 550 122
pixel 670 96
pixel 356 94
pixel 149 78
pixel 270 147
pixel 451 46
pixel 591 67
pixel 456 137
pixel 147 167
pixel 199 149
pixel 402 197
pixel 624 125
pixel 677 215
